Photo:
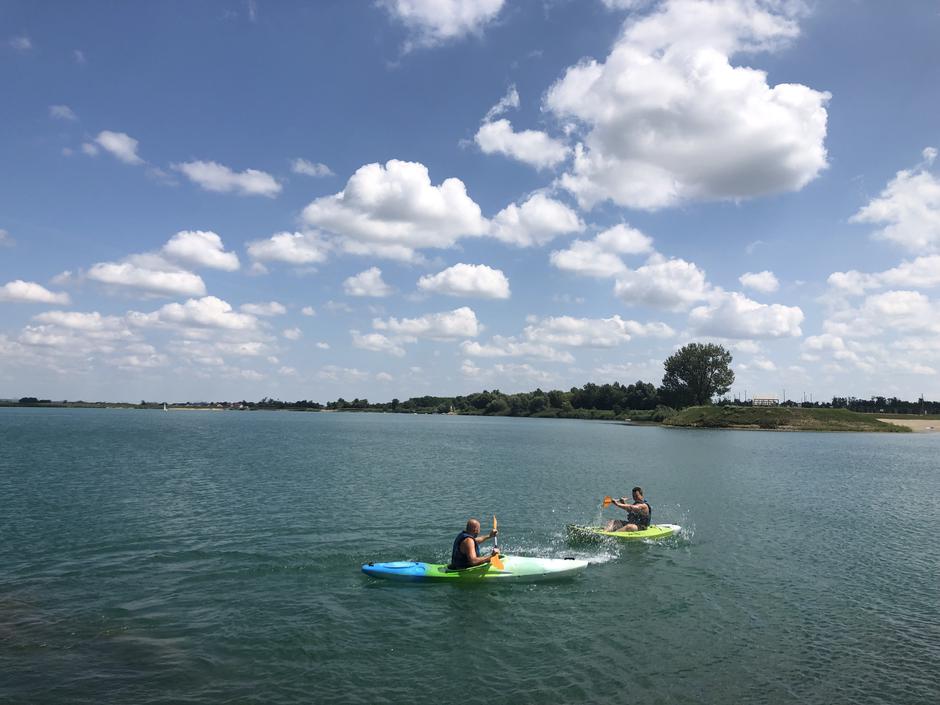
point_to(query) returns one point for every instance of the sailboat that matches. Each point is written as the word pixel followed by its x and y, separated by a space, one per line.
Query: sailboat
pixel 164 406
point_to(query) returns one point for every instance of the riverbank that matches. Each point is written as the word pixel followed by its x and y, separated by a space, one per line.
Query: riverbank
pixel 781 418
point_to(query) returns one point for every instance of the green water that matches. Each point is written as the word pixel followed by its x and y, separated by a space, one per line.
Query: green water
pixel 198 557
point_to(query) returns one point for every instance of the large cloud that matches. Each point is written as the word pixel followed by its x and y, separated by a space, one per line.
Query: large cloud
pixel 765 282
pixel 600 257
pixel 591 332
pixel 202 249
pixel 475 280
pixel 448 325
pixel 291 248
pixel 899 311
pixel 367 283
pixel 532 147
pixel 921 273
pixel 213 176
pixel 500 346
pixel 733 315
pixel 668 119
pixel 120 145
pixel 396 205
pixel 539 219
pixel 434 22
pixel 376 342
pixel 162 281
pixel 30 292
pixel 908 209
pixel 206 312
pixel 671 284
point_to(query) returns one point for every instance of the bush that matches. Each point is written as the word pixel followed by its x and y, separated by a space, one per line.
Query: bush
pixel 661 413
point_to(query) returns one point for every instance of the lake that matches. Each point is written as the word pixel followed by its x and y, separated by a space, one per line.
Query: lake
pixel 210 557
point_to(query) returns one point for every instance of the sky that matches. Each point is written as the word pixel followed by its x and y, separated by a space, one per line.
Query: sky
pixel 233 200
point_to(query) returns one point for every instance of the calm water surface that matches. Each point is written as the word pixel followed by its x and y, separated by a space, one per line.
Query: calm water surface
pixel 199 557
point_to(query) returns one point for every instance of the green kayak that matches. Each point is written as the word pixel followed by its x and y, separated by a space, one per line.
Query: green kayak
pixel 655 531
pixel 515 568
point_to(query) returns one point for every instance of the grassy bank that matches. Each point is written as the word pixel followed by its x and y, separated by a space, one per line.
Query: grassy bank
pixel 780 418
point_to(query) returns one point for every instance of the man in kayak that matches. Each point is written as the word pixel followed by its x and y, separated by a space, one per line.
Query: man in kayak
pixel 639 513
pixel 466 553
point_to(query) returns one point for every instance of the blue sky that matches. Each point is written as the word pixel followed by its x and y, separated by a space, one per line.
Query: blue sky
pixel 225 200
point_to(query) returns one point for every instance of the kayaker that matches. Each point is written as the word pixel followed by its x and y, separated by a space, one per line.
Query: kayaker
pixel 638 514
pixel 466 552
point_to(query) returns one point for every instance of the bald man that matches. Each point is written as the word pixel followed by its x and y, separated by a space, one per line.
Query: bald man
pixel 466 553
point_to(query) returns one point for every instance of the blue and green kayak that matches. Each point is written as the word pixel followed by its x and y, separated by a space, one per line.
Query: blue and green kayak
pixel 515 568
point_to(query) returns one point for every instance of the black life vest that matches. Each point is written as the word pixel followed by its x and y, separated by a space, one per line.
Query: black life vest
pixel 642 521
pixel 458 559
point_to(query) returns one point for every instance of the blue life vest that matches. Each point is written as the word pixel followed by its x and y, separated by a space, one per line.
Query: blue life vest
pixel 639 519
pixel 458 559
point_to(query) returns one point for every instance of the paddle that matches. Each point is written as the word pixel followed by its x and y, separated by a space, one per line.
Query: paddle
pixel 495 560
pixel 608 500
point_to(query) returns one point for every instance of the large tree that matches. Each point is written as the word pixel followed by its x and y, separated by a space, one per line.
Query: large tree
pixel 696 373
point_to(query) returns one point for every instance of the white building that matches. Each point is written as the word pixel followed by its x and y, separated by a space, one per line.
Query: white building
pixel 765 400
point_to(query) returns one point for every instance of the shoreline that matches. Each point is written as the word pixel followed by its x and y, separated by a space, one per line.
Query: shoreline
pixel 916 425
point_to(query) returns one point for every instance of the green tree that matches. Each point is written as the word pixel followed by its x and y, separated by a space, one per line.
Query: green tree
pixel 696 373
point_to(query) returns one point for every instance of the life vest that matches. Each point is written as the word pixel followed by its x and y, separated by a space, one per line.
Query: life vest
pixel 642 521
pixel 458 559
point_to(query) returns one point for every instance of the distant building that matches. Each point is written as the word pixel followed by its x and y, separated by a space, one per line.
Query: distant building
pixel 765 401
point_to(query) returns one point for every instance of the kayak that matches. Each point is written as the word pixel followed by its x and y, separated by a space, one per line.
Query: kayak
pixel 515 568
pixel 655 531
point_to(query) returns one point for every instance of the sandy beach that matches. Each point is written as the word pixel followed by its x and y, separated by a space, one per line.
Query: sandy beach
pixel 919 425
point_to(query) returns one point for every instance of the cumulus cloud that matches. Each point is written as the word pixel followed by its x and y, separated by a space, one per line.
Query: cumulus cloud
pixel 118 144
pixel 20 43
pixel 764 282
pixel 308 311
pixel 473 280
pixel 213 176
pixel 433 22
pixel 159 281
pixel 367 283
pixel 270 308
pixel 302 166
pixel 733 315
pixel 600 257
pixel 920 273
pixel 532 147
pixel 448 325
pixel 19 291
pixel 539 219
pixel 206 312
pixel 91 322
pixel 201 248
pixel 290 248
pixel 396 205
pixel 376 342
pixel 902 311
pixel 591 332
pixel 908 209
pixel 668 119
pixel 500 346
pixel 292 333
pixel 671 284
pixel 62 112
pixel 5 239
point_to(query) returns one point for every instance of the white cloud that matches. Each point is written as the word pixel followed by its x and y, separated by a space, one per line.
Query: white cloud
pixel 92 322
pixel 591 332
pixel 538 220
pixel 342 374
pixel 302 166
pixel 764 282
pixel 290 248
pixel 308 311
pixel 733 315
pixel 206 312
pixel 323 346
pixel 510 101
pixel 150 280
pixel 62 112
pixel 270 308
pixel 474 280
pixel 908 208
pixel 90 149
pixel 19 291
pixel 500 346
pixel 367 283
pixel 79 56
pixel 20 43
pixel 600 257
pixel 668 119
pixel 213 176
pixel 448 325
pixel 396 205
pixel 201 248
pixel 531 147
pixel 383 377
pixel 434 22
pixel 921 273
pixel 5 239
pixel 376 342
pixel 118 144
pixel 292 333
pixel 672 284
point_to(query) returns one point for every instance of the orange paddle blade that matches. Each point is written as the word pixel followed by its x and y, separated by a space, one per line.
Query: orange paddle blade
pixel 496 561
pixel 607 501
